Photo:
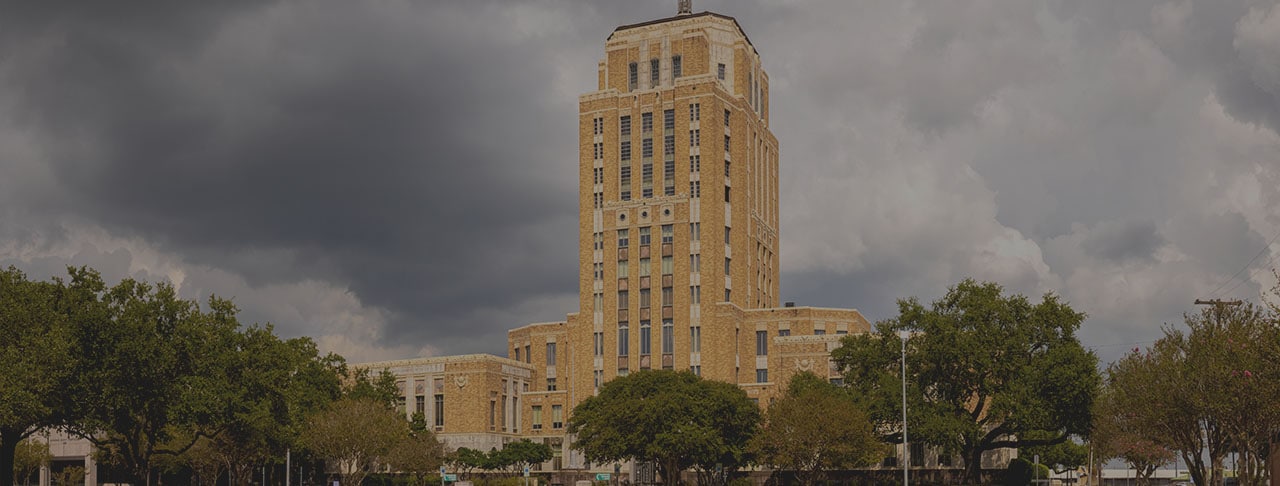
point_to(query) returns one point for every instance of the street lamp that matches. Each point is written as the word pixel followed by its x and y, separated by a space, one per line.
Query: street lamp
pixel 906 451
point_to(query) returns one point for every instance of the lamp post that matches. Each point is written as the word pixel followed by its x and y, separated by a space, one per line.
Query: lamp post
pixel 906 451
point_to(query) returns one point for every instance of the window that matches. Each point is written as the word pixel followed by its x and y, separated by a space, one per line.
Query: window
pixel 551 354
pixel 668 233
pixel 654 71
pixel 762 343
pixel 517 353
pixel 624 126
pixel 597 175
pixel 421 405
pixel 668 337
pixel 644 236
pixel 646 122
pixel 695 189
pixel 598 239
pixel 719 72
pixel 667 295
pixel 695 339
pixel 439 398
pixel 597 125
pixel 624 150
pixel 727 265
pixel 676 67
pixel 695 137
pixel 696 369
pixel 667 266
pixel 644 338
pixel 598 150
pixel 668 120
pixel 727 294
pixel 633 74
pixel 622 268
pixel 644 297
pixel 622 300
pixel 695 163
pixel 537 417
pixel 727 191
pixel 726 143
pixel 622 238
pixel 762 376
pixel 819 332
pixel 669 146
pixel 669 177
pixel 599 376
pixel 695 231
pixel 598 299
pixel 597 340
pixel 784 332
pixel 695 112
pixel 646 148
pixel 727 114
pixel 557 416
pixel 624 344
pixel 839 332
pixel 624 182
pixel 528 355
pixel 727 166
pixel 551 384
pixel 644 267
pixel 597 271
pixel 695 262
pixel 726 234
pixel 695 294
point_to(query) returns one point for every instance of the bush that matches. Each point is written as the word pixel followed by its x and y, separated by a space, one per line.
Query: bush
pixel 1022 471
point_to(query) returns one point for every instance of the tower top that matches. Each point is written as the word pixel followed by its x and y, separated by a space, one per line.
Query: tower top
pixel 686 7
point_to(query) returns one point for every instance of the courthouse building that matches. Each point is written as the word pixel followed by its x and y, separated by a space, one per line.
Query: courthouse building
pixel 678 244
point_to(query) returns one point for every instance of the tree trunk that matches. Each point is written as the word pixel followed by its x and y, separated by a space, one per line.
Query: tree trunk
pixel 972 465
pixel 8 446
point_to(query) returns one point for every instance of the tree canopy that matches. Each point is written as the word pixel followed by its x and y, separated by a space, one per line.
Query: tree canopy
pixel 984 371
pixel 356 436
pixel 815 427
pixel 675 419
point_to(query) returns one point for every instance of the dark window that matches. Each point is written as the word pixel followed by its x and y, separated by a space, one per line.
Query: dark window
pixel 719 71
pixel 762 343
pixel 622 300
pixel 551 384
pixel 622 238
pixel 676 68
pixel 624 126
pixel 646 122
pixel 633 73
pixel 624 337
pixel 551 354
pixel 439 410
pixel 654 70
pixel 644 338
pixel 668 337
pixel 668 233
pixel 784 332
pixel 762 376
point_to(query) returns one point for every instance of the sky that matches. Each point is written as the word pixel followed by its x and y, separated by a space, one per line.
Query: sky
pixel 398 178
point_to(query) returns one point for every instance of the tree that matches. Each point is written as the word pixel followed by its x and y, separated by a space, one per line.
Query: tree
pixel 37 316
pixel 1117 435
pixel 419 453
pixel 520 454
pixel 984 371
pixel 1207 392
pixel 355 436
pixel 815 427
pixel 153 368
pixel 466 459
pixel 675 419
pixel 30 455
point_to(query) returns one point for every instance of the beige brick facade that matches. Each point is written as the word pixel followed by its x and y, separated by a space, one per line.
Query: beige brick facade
pixel 678 243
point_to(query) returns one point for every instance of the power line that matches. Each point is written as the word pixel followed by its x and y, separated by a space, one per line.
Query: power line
pixel 1247 265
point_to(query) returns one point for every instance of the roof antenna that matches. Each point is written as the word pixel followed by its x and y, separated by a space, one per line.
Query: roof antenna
pixel 686 7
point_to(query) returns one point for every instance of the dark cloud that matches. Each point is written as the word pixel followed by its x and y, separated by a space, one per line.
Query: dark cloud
pixel 399 178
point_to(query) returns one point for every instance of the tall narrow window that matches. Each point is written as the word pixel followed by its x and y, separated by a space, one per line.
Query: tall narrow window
pixel 726 119
pixel 644 338
pixel 622 300
pixel 727 265
pixel 695 262
pixel 624 343
pixel 695 231
pixel 644 236
pixel 676 68
pixel 667 266
pixel 644 267
pixel 597 341
pixel 668 337
pixel 719 72
pixel 695 112
pixel 668 233
pixel 695 137
pixel 646 122
pixel 668 296
pixel 695 339
pixel 695 163
pixel 537 417
pixel 551 384
pixel 644 298
pixel 695 294
pixel 622 268
pixel 557 416
pixel 726 234
pixel 622 238
pixel 624 126
pixel 654 71
pixel 633 74
pixel 551 354
pixel 668 120
pixel 762 376
pixel 438 387
pixel 669 177
pixel 762 343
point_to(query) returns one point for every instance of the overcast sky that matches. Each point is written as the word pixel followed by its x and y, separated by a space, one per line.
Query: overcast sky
pixel 398 179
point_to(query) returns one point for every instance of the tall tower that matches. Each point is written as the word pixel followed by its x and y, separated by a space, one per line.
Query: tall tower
pixel 678 201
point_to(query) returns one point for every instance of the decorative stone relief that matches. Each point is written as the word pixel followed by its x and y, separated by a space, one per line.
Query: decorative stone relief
pixel 460 380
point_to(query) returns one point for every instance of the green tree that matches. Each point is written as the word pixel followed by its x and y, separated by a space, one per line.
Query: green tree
pixel 418 454
pixel 984 371
pixel 675 419
pixel 153 368
pixel 1207 392
pixel 1116 435
pixel 515 456
pixel 30 455
pixel 814 428
pixel 465 460
pixel 37 316
pixel 356 436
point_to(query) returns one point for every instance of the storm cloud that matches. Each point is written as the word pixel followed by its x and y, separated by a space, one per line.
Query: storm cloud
pixel 399 178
